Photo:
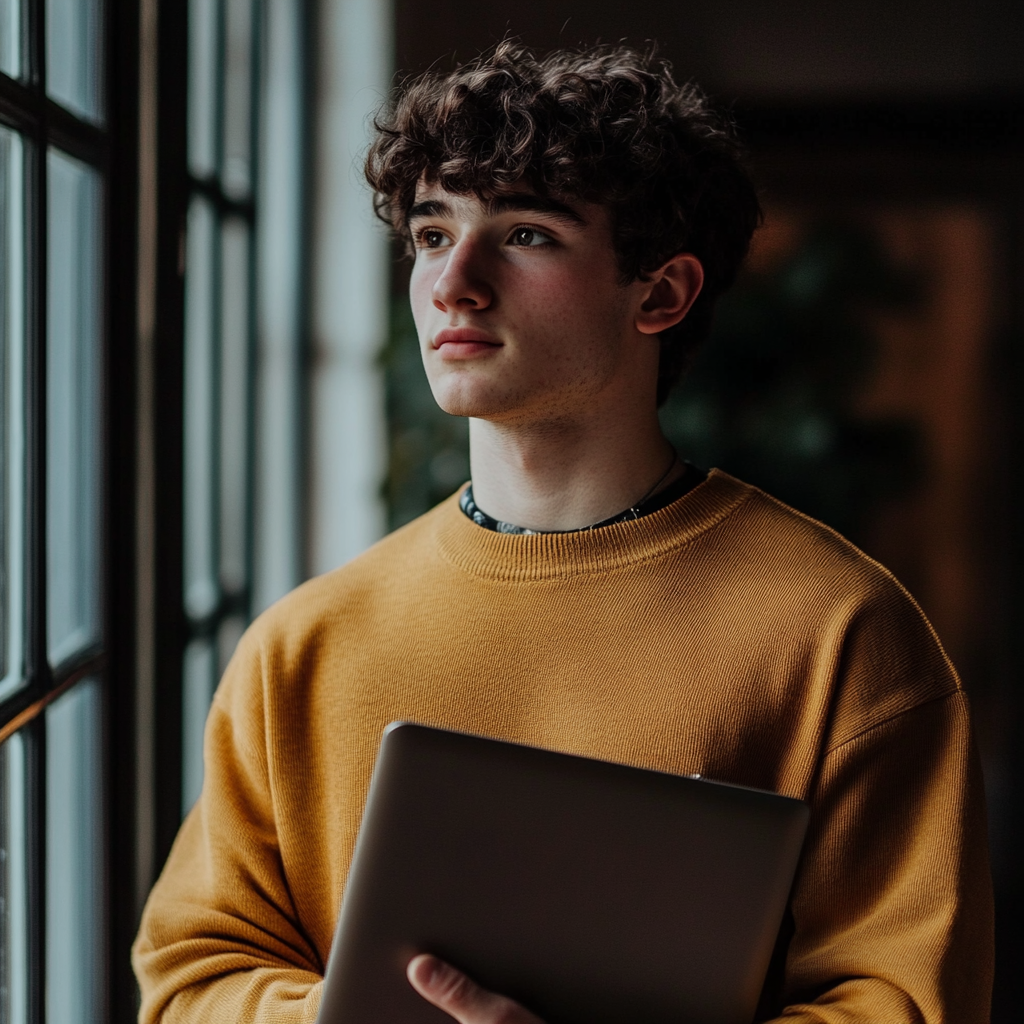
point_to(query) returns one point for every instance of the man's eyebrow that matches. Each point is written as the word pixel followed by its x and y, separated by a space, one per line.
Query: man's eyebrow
pixel 517 203
pixel 528 203
pixel 429 208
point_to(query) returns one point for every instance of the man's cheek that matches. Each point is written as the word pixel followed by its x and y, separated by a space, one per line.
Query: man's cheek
pixel 421 297
pixel 568 300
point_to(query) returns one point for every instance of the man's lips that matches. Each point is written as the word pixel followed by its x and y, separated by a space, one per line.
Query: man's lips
pixel 463 342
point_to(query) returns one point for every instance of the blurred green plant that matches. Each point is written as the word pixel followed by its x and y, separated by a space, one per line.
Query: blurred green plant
pixel 771 397
pixel 428 449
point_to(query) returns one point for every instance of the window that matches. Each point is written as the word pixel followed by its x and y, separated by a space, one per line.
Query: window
pixel 131 389
pixel 54 184
pixel 219 356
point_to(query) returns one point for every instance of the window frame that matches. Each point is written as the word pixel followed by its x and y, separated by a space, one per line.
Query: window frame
pixel 111 148
pixel 142 154
pixel 233 603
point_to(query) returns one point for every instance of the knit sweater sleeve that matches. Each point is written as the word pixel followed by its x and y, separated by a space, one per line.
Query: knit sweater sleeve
pixel 892 906
pixel 220 938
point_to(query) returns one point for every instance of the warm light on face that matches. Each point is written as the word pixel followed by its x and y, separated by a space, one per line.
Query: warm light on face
pixel 518 303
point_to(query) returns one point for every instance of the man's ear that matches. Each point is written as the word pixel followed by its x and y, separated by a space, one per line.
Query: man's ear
pixel 671 292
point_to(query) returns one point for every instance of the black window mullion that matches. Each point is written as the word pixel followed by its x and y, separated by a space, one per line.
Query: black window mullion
pixel 168 416
pixel 19 105
pixel 225 206
pixel 35 49
pixel 25 109
pixel 80 139
pixel 120 432
pixel 36 661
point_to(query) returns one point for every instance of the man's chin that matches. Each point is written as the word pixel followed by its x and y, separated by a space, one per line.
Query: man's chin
pixel 476 403
pixel 474 410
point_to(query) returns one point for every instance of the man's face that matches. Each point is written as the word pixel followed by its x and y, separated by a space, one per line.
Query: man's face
pixel 519 307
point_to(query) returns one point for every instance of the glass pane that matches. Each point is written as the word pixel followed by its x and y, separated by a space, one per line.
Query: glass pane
pixel 11 22
pixel 201 590
pixel 234 404
pixel 73 407
pixel 230 632
pixel 13 884
pixel 203 64
pixel 74 857
pixel 74 55
pixel 199 673
pixel 238 82
pixel 12 335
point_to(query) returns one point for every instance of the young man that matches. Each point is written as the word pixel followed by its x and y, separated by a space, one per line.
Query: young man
pixel 572 221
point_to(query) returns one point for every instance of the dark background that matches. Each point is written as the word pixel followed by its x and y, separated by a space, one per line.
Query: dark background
pixel 748 48
pixel 868 366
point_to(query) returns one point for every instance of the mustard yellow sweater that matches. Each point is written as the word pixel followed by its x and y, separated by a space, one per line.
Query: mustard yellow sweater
pixel 725 635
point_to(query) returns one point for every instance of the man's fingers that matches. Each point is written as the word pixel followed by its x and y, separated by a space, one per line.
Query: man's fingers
pixel 462 998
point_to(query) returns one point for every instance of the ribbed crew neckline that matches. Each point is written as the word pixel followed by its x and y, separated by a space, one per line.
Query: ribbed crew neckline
pixel 509 557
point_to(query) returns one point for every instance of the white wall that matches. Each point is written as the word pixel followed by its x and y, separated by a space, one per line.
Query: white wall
pixel 278 498
pixel 349 288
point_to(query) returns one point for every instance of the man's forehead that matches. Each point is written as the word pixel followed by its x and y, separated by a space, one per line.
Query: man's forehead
pixel 433 200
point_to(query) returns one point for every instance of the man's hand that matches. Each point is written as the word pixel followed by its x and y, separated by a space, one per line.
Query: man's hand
pixel 450 990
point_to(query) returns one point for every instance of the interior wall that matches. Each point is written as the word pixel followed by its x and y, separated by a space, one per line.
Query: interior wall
pixel 753 49
pixel 950 208
pixel 348 287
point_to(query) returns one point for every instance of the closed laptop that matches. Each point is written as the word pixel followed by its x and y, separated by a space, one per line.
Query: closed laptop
pixel 591 892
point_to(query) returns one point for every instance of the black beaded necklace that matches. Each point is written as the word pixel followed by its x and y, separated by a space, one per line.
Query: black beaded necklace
pixel 648 504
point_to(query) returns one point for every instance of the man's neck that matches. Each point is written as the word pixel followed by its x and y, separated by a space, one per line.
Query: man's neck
pixel 567 475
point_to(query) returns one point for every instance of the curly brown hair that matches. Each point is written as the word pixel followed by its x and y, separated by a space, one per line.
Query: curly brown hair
pixel 608 125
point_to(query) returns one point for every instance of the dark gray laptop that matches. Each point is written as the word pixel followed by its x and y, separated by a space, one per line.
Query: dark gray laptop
pixel 593 893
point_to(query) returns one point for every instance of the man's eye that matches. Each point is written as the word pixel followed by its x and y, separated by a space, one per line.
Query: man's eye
pixel 430 238
pixel 529 237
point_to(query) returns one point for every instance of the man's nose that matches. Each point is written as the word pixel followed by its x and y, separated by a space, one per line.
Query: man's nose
pixel 463 282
